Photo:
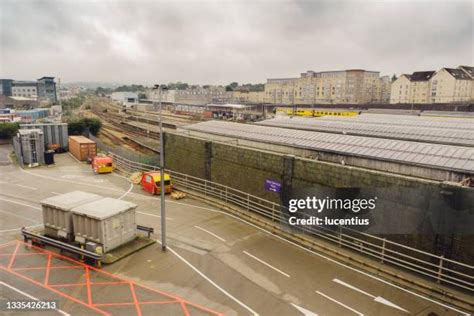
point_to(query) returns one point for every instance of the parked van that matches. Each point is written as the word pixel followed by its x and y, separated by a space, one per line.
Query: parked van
pixel 151 182
pixel 102 164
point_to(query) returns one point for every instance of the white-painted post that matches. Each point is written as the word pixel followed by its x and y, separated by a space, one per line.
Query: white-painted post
pixel 440 269
pixel 383 250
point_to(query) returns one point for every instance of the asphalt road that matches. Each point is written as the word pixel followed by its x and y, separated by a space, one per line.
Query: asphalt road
pixel 213 259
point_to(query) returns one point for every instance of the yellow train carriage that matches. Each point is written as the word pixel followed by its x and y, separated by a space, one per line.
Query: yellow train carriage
pixel 315 112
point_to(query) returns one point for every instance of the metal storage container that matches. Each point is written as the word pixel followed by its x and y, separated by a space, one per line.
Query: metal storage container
pixel 108 222
pixel 57 218
pixel 29 146
pixel 82 147
pixel 54 133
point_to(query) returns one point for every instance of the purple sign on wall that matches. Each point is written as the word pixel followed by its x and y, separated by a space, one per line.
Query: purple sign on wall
pixel 272 186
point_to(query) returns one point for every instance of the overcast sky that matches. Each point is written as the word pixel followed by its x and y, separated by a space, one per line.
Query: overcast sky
pixel 217 42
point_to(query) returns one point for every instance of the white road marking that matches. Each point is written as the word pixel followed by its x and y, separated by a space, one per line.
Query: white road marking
pixel 30 296
pixel 377 299
pixel 327 258
pixel 14 229
pixel 56 193
pixel 26 187
pixel 210 281
pixel 271 235
pixel 74 157
pixel 339 303
pixel 304 311
pixel 154 215
pixel 19 203
pixel 267 264
pixel 212 234
pixel 129 189
pixel 19 216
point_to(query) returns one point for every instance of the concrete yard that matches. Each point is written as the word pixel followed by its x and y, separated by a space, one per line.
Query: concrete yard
pixel 215 263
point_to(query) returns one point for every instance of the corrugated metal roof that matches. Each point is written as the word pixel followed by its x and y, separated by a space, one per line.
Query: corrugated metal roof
pixel 407 120
pixel 436 156
pixel 383 128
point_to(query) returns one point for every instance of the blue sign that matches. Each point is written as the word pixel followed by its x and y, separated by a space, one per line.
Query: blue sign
pixel 272 186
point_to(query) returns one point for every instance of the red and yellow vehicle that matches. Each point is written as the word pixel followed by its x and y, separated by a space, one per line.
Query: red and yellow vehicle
pixel 151 182
pixel 102 164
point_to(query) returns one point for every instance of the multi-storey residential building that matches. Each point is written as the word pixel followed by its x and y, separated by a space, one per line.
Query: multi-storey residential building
pixel 414 88
pixel 202 95
pixel 470 71
pixel 447 85
pixel 281 91
pixel 385 83
pixel 451 85
pixel 420 86
pixel 198 95
pixel 242 96
pixel 352 86
pixel 401 89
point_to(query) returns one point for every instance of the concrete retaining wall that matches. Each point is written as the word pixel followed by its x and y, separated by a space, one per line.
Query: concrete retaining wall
pixel 246 169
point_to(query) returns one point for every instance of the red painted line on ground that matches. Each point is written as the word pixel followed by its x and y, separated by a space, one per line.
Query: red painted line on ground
pixel 158 302
pixel 185 309
pixel 54 290
pixel 83 284
pixel 48 266
pixel 140 303
pixel 134 295
pixel 115 304
pixel 12 259
pixel 52 267
pixel 88 284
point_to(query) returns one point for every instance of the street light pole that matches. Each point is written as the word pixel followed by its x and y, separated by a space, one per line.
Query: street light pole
pixel 162 173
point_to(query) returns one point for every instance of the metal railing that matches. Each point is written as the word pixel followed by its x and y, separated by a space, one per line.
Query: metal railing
pixel 438 268
pixel 81 253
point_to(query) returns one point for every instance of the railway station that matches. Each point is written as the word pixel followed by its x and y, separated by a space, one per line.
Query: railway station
pixel 236 158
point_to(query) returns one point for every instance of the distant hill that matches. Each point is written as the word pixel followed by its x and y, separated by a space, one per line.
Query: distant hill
pixel 91 85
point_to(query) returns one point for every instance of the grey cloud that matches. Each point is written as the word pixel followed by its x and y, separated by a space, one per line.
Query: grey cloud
pixel 222 41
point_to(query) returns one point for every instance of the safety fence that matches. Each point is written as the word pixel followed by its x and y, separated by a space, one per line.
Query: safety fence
pixel 438 268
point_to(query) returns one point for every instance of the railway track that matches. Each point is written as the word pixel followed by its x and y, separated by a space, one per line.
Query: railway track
pixel 123 126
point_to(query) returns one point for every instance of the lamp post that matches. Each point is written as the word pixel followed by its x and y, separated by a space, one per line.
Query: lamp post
pixel 160 88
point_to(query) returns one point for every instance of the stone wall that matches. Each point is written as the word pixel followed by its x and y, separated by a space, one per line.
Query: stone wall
pixel 246 169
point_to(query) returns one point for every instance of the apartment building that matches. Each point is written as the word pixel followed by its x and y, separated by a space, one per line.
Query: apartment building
pixel 448 85
pixel 385 84
pixel 470 71
pixel 280 91
pixel 451 85
pixel 414 88
pixel 401 89
pixel 420 86
pixel 353 86
pixel 253 97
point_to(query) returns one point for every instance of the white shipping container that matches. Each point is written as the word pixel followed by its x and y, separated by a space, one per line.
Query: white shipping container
pixel 109 222
pixel 57 218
